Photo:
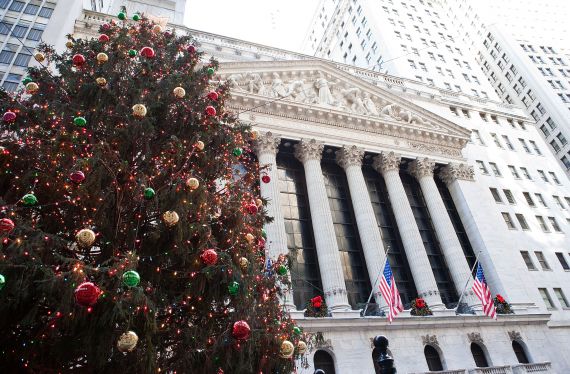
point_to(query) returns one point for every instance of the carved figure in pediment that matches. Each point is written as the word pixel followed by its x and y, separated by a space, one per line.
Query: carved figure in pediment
pixel 323 87
pixel 392 110
pixel 256 85
pixel 300 93
pixel 278 87
pixel 353 99
pixel 369 104
pixel 233 82
pixel 410 117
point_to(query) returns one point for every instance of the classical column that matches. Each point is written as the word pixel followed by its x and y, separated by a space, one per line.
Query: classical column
pixel 480 225
pixel 350 159
pixel 266 147
pixel 388 164
pixel 309 152
pixel 459 269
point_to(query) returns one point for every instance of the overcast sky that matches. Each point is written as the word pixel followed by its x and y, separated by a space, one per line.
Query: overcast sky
pixel 281 24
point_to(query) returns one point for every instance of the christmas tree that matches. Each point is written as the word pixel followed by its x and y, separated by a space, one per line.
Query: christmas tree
pixel 131 223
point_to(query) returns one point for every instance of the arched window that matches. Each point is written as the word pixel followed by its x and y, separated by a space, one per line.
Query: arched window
pixel 479 356
pixel 433 359
pixel 324 361
pixel 520 353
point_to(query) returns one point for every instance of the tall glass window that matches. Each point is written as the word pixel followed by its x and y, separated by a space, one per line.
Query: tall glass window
pixel 305 275
pixel 352 258
pixel 390 234
pixel 427 232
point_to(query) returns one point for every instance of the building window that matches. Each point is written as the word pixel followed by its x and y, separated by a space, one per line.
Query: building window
pixel 508 143
pixel 47 10
pixel 562 260
pixel 496 140
pixel 542 176
pixel 554 224
pixel 482 167
pixel 514 171
pixel 509 196
pixel 524 145
pixel 544 131
pixel 525 173
pixel 561 297
pixel 433 359
pixel 23 59
pixel 6 57
pixel 546 298
pixel 558 202
pixel 495 169
pixel 496 195
pixel 17 6
pixel 324 361
pixel 554 178
pixel 555 145
pixel 542 223
pixel 35 34
pixel 522 221
pixel 551 123
pixel 535 147
pixel 528 261
pixel 19 31
pixel 562 139
pixel 528 199
pixel 508 220
pixel 479 356
pixel 520 352
pixel 541 260
pixel 31 9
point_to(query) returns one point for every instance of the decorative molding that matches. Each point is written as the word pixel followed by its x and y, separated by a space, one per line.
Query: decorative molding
pixel 422 167
pixel 430 339
pixel 386 162
pixel 428 293
pixel 267 143
pixel 474 337
pixel 453 172
pixel 435 149
pixel 349 156
pixel 515 335
pixel 335 291
pixel 309 149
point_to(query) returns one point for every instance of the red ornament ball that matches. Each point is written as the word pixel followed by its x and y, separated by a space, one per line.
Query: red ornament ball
pixel 6 226
pixel 147 52
pixel 77 177
pixel 78 59
pixel 87 293
pixel 103 38
pixel 210 110
pixel 252 208
pixel 9 116
pixel 241 330
pixel 191 49
pixel 213 95
pixel 106 26
pixel 209 257
pixel 266 179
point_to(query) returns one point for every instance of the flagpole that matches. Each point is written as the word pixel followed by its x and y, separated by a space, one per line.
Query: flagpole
pixel 467 282
pixel 375 282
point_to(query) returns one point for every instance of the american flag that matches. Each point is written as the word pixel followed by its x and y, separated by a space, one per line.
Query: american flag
pixel 390 292
pixel 482 291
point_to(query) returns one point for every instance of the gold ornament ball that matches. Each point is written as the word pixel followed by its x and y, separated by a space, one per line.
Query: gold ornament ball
pixel 69 44
pixel 200 145
pixel 40 57
pixel 254 134
pixel 249 237
pixel 258 202
pixel 157 28
pixel 32 87
pixel 179 92
pixel 170 217
pixel 102 82
pixel 127 341
pixel 301 347
pixel 102 58
pixel 139 110
pixel 192 183
pixel 243 263
pixel 287 349
pixel 85 237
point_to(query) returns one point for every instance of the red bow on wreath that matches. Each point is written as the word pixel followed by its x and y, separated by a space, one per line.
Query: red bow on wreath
pixel 317 301
pixel 500 299
pixel 420 303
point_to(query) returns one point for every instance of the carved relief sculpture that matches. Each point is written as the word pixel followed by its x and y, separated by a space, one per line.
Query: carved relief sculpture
pixel 369 104
pixel 323 87
pixel 278 87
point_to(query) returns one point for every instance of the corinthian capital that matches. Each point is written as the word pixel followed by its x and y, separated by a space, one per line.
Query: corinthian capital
pixel 267 143
pixel 349 156
pixel 422 167
pixel 386 162
pixel 309 149
pixel 453 172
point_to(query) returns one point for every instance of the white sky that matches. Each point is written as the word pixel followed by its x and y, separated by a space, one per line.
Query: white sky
pixel 276 23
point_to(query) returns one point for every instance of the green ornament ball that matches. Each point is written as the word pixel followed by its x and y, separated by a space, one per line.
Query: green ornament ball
pixel 264 233
pixel 30 199
pixel 237 151
pixel 122 16
pixel 132 52
pixel 2 281
pixel 136 17
pixel 131 278
pixel 296 330
pixel 211 71
pixel 282 270
pixel 233 288
pixel 149 193
pixel 27 80
pixel 80 121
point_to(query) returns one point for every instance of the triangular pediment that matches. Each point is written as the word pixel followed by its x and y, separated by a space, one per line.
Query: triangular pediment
pixel 320 89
